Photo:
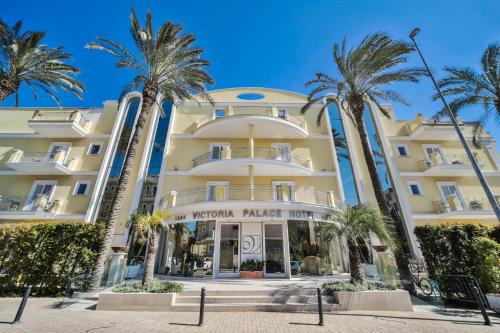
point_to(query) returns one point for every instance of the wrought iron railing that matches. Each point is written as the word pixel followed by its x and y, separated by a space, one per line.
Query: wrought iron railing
pixel 258 153
pixel 251 193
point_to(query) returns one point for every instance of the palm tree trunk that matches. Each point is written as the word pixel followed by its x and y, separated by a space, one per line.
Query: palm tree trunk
pixel 148 100
pixel 357 274
pixel 149 262
pixel 370 160
pixel 357 106
pixel 8 86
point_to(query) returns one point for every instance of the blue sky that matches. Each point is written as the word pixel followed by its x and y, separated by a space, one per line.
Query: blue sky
pixel 279 43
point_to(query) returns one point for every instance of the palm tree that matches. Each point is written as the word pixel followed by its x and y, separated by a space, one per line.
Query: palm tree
pixel 469 87
pixel 357 222
pixel 363 71
pixel 167 66
pixel 148 226
pixel 24 59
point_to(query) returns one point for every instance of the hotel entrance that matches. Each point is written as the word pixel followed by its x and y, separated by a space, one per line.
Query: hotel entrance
pixel 239 242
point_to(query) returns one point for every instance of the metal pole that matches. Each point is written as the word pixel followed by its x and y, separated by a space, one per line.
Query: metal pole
pixel 320 308
pixel 19 313
pixel 475 165
pixel 202 307
pixel 480 303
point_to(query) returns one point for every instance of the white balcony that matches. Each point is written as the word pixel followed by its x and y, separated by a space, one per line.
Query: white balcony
pixel 268 123
pixel 42 163
pixel 30 208
pixel 59 124
pixel 455 165
pixel 423 129
pixel 456 208
pixel 266 162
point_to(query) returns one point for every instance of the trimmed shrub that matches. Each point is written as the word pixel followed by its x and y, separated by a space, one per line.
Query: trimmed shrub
pixel 152 286
pixel 453 250
pixel 488 270
pixel 252 265
pixel 332 286
pixel 495 233
pixel 46 255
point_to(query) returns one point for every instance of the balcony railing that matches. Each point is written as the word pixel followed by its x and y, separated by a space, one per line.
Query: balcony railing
pixel 61 158
pixel 453 203
pixel 253 111
pixel 40 203
pixel 258 153
pixel 281 193
pixel 60 116
pixel 436 159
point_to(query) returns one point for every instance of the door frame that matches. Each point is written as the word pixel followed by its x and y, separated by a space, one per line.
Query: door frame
pixel 218 237
pixel 33 188
pixel 226 145
pixel 285 266
pixel 459 193
pixel 51 147
pixel 434 145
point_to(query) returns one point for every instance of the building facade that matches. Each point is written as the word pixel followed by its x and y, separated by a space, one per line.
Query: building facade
pixel 247 177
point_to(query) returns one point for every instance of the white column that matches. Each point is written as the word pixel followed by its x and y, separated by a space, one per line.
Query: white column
pixel 251 182
pixel 250 140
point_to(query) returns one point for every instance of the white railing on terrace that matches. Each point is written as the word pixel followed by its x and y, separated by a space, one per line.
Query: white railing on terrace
pixel 248 110
pixel 60 116
pixel 451 159
pixel 284 193
pixel 258 153
pixel 453 203
pixel 62 158
pixel 40 203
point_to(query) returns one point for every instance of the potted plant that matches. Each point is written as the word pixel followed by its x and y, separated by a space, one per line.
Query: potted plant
pixel 251 269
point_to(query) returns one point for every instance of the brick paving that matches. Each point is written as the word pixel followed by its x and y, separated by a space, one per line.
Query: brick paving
pixel 42 316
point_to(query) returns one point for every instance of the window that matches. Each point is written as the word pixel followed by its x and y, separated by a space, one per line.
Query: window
pixel 450 189
pixel 281 151
pixel 218 151
pixel 216 190
pixel 283 114
pixel 434 154
pixel 402 150
pixel 283 190
pixel 40 188
pixel 95 148
pixel 219 113
pixel 415 188
pixel 82 187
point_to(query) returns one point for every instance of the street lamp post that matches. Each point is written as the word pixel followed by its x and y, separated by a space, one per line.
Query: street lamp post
pixel 475 165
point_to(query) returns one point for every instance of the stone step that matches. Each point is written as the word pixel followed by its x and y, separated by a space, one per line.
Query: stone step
pixel 259 292
pixel 247 307
pixel 306 299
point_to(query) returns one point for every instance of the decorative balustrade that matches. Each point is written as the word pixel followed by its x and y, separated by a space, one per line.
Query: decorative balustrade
pixel 60 116
pixel 40 203
pixel 249 193
pixel 257 153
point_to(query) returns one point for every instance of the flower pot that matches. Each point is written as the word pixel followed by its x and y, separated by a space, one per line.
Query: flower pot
pixel 251 275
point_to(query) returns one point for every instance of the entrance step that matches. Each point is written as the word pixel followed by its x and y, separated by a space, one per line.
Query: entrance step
pixel 272 300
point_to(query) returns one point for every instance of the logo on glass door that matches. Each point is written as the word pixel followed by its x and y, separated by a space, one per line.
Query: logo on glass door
pixel 251 244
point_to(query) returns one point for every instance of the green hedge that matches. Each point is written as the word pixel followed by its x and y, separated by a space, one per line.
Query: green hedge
pixel 46 255
pixel 459 249
pixel 152 286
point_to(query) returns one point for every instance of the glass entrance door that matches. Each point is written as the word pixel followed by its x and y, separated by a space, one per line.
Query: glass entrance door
pixel 229 259
pixel 274 255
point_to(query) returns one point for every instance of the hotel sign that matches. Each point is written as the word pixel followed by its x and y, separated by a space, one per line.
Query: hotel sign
pixel 248 213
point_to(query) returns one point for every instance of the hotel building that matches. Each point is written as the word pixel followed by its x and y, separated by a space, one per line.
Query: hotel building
pixel 247 177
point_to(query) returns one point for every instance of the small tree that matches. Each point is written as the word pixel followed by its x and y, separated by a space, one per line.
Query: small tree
pixel 148 226
pixel 354 222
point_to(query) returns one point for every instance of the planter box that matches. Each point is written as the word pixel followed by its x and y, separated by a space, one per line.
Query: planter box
pixel 397 300
pixel 135 302
pixel 251 275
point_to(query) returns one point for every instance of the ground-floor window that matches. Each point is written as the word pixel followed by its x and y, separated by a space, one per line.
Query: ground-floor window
pixel 312 250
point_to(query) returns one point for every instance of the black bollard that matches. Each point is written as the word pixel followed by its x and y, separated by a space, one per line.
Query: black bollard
pixel 320 307
pixel 19 313
pixel 202 307
pixel 480 303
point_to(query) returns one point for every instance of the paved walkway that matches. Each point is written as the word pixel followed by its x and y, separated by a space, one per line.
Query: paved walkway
pixel 42 316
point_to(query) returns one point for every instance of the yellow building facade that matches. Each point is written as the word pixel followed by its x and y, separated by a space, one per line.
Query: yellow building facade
pixel 244 177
